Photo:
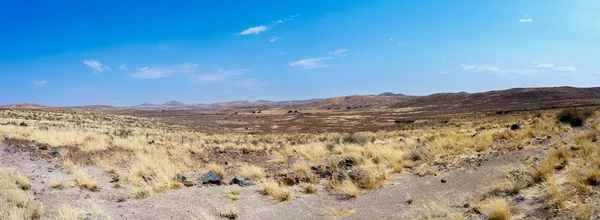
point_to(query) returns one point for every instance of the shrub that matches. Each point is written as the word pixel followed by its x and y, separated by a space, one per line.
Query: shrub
pixel 352 139
pixel 574 117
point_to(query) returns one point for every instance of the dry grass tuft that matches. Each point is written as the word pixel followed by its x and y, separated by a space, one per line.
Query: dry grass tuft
pixel 497 209
pixel 232 193
pixel 276 191
pixel 309 188
pixel 340 213
pixel 555 192
pixel 249 171
pixel 84 181
pixel 231 213
pixel 15 202
pixel 56 184
pixel 350 189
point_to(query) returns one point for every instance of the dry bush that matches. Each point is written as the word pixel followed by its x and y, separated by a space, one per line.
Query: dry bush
pixel 15 202
pixel 249 171
pixel 232 193
pixel 497 209
pixel 555 192
pixel 371 176
pixel 359 139
pixel 340 213
pixel 309 188
pixel 56 184
pixel 350 189
pixel 84 181
pixel 276 191
pixel 93 212
pixel 231 213
pixel 555 159
pixel 142 193
pixel 574 117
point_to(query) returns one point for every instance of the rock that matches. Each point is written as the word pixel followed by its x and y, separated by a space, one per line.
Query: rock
pixel 289 181
pixel 217 149
pixel 516 127
pixel 53 153
pixel 23 124
pixel 443 181
pixel 152 142
pixel 350 162
pixel 212 178
pixel 246 151
pixel 241 181
pixel 43 147
pixel 180 178
pixel 115 179
pixel 188 183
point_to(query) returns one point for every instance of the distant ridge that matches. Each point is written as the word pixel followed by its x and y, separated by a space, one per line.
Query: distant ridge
pixel 173 103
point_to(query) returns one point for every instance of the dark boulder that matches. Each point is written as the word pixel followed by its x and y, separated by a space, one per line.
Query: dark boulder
pixel 23 124
pixel 212 178
pixel 516 127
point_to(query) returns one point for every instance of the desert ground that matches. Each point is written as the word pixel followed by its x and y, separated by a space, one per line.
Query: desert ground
pixel 463 158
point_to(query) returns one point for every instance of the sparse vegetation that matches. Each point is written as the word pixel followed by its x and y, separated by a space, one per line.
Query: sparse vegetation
pixel 497 209
pixel 276 191
pixel 340 213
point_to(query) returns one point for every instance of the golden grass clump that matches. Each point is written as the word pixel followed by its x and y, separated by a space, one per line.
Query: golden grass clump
pixel 309 188
pixel 497 209
pixel 555 192
pixel 231 213
pixel 67 212
pixel 15 201
pixel 350 189
pixel 82 180
pixel 56 184
pixel 340 213
pixel 232 193
pixel 250 171
pixel 276 191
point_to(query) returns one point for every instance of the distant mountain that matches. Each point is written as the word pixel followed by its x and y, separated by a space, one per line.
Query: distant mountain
pixel 391 94
pixel 173 103
pixel 147 104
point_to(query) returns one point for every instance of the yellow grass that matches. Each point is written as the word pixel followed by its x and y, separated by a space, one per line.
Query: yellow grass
pixel 497 209
pixel 250 171
pixel 276 191
pixel 84 181
pixel 350 189
pixel 340 213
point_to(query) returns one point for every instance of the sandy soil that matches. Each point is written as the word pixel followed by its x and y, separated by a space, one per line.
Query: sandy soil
pixel 207 202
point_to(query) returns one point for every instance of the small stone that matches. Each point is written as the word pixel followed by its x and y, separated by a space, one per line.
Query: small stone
pixel 180 178
pixel 23 124
pixel 43 147
pixel 188 183
pixel 289 181
pixel 516 127
pixel 53 153
pixel 443 181
pixel 246 151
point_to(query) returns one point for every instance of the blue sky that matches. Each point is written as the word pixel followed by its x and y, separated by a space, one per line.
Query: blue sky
pixel 125 53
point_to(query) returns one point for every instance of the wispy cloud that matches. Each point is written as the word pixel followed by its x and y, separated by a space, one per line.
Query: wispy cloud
pixel 254 30
pixel 539 67
pixel 444 72
pixel 275 38
pixel 122 67
pixel 527 19
pixel 219 76
pixel 40 83
pixel 187 71
pixel 549 66
pixel 340 52
pixel 310 63
pixel 96 65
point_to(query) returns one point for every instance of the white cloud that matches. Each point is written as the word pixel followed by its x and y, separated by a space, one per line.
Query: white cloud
pixel 219 76
pixel 122 67
pixel 444 72
pixel 40 83
pixel 310 63
pixel 187 71
pixel 275 38
pixel 467 67
pixel 254 30
pixel 340 52
pixel 539 67
pixel 525 20
pixel 96 65
pixel 549 66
